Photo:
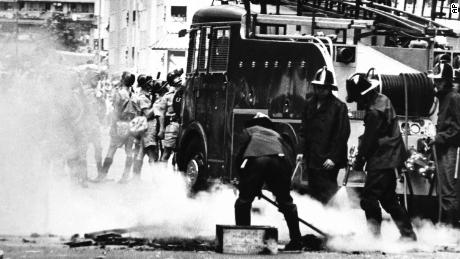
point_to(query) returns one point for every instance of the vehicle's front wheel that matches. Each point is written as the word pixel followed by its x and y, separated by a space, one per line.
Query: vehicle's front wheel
pixel 195 172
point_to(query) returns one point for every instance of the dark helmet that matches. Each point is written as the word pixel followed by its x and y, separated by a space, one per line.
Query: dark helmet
pixel 124 75
pixel 128 79
pixel 174 76
pixel 442 71
pixel 443 58
pixel 142 80
pixel 157 85
pixel 324 77
pixel 359 86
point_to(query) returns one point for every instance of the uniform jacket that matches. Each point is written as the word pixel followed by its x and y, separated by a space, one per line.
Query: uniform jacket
pixel 144 101
pixel 169 99
pixel 325 132
pixel 381 145
pixel 448 125
pixel 259 141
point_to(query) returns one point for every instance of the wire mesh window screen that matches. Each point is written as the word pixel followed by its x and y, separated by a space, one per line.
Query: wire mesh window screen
pixel 220 44
pixel 192 50
pixel 204 48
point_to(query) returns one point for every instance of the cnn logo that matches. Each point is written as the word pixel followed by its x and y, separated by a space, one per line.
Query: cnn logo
pixel 454 8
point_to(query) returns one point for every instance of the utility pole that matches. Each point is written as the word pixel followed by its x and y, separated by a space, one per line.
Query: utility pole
pixel 17 34
pixel 99 40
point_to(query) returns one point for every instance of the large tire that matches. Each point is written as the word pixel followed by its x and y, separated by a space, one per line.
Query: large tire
pixel 195 171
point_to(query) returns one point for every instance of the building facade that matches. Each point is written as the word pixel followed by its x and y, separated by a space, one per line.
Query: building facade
pixel 27 20
pixel 144 35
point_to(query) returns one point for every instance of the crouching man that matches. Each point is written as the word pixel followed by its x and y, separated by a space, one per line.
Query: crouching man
pixel 266 158
pixel 382 149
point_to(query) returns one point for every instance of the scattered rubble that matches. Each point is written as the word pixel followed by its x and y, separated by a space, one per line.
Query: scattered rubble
pixel 28 241
pixel 115 238
pixel 35 235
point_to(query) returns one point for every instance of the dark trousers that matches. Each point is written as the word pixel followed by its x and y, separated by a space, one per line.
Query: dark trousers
pixel 275 172
pixel 322 184
pixel 447 161
pixel 380 187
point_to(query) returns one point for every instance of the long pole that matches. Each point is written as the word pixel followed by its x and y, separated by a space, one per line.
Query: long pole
pixel 299 219
pixel 99 41
pixel 17 33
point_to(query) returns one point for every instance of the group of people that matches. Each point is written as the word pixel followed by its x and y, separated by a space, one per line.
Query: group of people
pixel 268 156
pixel 143 121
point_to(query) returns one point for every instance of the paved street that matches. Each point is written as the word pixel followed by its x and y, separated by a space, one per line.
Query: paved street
pixel 14 247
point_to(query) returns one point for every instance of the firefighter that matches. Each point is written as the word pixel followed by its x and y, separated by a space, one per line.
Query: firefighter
pixel 266 158
pixel 171 118
pixel 447 141
pixel 124 111
pixel 381 149
pixel 325 130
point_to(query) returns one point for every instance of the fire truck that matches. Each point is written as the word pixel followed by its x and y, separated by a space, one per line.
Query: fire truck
pixel 242 62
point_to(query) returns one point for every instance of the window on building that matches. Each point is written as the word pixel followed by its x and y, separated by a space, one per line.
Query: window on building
pixel 134 16
pixel 133 54
pixel 6 6
pixel 34 6
pixel 58 7
pixel 127 17
pixel 47 7
pixel 102 44
pixel 85 8
pixel 179 13
pixel 73 7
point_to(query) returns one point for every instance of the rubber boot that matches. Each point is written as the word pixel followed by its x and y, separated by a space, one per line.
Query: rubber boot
pixel 83 173
pixel 375 227
pixel 104 170
pixel 166 154
pixel 292 219
pixel 152 153
pixel 98 158
pixel 242 213
pixel 126 171
pixel 137 168
pixel 405 229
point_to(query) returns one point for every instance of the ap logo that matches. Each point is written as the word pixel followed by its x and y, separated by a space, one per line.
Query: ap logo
pixel 454 8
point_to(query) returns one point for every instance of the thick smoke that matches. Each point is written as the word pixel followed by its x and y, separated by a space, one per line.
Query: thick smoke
pixel 37 194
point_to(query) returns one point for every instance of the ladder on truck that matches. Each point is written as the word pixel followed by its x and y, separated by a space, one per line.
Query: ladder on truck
pixel 388 19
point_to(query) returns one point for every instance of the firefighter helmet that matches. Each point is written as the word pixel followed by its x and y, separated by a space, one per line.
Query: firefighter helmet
pixel 442 71
pixel 358 86
pixel 325 77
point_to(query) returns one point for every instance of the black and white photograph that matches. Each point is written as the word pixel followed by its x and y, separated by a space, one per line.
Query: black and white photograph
pixel 230 129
